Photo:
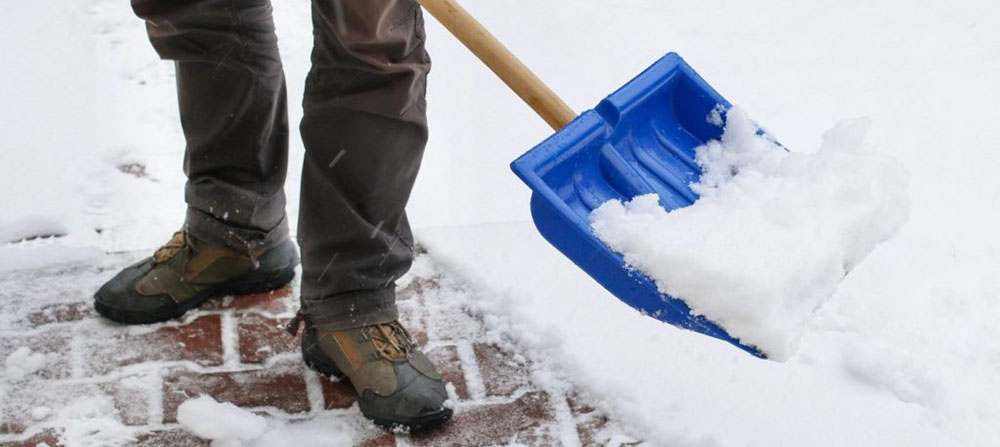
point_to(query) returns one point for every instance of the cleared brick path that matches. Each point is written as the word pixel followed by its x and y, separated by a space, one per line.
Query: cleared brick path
pixel 236 351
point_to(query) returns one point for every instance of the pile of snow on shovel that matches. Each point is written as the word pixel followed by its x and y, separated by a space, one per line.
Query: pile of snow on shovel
pixel 773 232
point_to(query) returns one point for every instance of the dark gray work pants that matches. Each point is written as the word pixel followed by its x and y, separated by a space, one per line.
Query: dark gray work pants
pixel 364 131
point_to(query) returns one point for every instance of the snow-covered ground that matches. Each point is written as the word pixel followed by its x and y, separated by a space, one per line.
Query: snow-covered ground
pixel 906 353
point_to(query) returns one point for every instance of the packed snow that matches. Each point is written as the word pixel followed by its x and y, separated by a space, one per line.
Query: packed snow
pixel 23 362
pixel 92 422
pixel 227 425
pixel 224 423
pixel 905 353
pixel 39 413
pixel 772 234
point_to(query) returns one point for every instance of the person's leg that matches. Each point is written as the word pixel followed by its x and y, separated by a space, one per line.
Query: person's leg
pixel 231 93
pixel 364 130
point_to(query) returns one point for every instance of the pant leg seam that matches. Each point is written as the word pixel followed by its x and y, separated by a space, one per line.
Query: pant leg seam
pixel 410 15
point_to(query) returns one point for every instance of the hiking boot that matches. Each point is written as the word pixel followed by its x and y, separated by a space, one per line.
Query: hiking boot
pixel 185 273
pixel 397 385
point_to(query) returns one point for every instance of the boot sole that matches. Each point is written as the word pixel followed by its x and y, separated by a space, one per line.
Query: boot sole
pixel 266 283
pixel 316 360
pixel 424 422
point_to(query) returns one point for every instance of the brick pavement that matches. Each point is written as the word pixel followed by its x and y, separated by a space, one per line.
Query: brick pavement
pixel 235 350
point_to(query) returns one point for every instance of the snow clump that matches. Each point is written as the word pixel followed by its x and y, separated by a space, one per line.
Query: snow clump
pixel 92 421
pixel 23 362
pixel 224 423
pixel 773 232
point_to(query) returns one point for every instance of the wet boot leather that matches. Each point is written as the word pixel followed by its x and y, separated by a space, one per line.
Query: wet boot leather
pixel 185 273
pixel 398 387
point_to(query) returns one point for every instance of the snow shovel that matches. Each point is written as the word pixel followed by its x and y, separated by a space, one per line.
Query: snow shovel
pixel 639 140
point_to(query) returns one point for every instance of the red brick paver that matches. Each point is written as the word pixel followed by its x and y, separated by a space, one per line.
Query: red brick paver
pixel 337 393
pixel 53 342
pixel 502 373
pixel 274 302
pixel 131 404
pixel 174 437
pixel 113 346
pixel 526 420
pixel 281 387
pixel 236 350
pixel 262 337
pixel 46 437
pixel 450 366
pixel 62 313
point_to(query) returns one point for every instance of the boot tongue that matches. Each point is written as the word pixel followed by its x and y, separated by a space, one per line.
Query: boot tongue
pixel 171 248
pixel 391 341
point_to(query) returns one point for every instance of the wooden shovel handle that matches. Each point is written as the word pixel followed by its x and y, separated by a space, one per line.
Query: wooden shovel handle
pixel 511 71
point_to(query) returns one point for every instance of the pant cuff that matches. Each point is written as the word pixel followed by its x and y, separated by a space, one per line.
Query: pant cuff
pixel 351 310
pixel 245 240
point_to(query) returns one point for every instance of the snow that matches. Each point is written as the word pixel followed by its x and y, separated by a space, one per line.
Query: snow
pixel 39 413
pixel 224 423
pixel 30 227
pixel 317 432
pixel 92 422
pixel 772 234
pixel 227 425
pixel 905 353
pixel 646 372
pixel 23 362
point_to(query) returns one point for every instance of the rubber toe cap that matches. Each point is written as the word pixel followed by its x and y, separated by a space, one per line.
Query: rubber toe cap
pixel 417 403
pixel 119 293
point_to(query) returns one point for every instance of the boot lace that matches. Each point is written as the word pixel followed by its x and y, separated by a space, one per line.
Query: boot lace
pixel 391 340
pixel 176 243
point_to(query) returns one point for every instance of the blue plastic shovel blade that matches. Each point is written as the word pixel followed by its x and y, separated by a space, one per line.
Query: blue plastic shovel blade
pixel 639 140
